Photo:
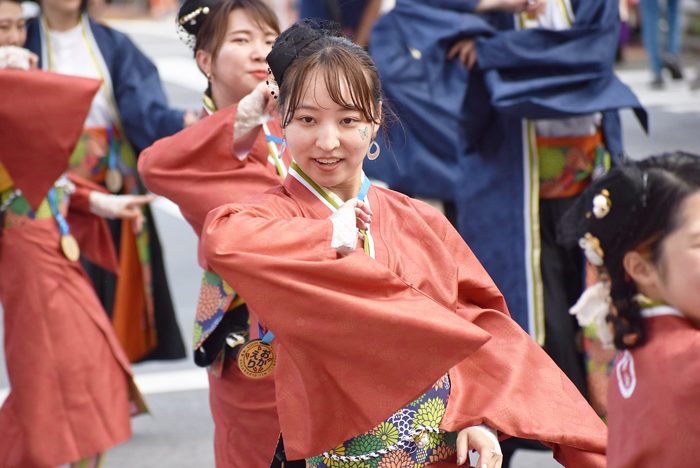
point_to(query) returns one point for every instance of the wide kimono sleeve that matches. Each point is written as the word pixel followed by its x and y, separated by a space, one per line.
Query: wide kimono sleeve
pixel 198 170
pixel 545 74
pixel 143 107
pixel 510 383
pixel 355 342
pixel 185 167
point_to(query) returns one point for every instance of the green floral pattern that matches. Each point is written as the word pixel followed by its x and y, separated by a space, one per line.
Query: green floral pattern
pixel 396 437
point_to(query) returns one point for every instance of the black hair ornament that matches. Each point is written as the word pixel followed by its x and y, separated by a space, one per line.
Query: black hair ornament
pixel 294 39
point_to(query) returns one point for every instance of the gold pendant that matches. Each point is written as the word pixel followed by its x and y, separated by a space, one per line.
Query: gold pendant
pixel 70 247
pixel 257 359
pixel 114 180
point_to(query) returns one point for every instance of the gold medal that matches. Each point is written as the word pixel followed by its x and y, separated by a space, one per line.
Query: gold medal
pixel 257 359
pixel 70 247
pixel 114 180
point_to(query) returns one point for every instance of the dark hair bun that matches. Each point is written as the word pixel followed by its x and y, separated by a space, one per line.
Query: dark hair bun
pixel 193 13
pixel 625 189
pixel 294 39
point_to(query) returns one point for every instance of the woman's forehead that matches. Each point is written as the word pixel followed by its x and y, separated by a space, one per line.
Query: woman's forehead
pixel 10 10
pixel 239 20
pixel 315 92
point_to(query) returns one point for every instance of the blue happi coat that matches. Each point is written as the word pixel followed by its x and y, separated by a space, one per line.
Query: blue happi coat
pixel 138 94
pixel 464 135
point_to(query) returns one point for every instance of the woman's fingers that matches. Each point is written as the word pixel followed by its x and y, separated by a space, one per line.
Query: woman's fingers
pixel 33 61
pixel 454 50
pixel 466 51
pixel 138 221
pixel 362 215
pixel 138 200
pixel 536 7
pixel 461 50
pixel 135 215
pixel 474 439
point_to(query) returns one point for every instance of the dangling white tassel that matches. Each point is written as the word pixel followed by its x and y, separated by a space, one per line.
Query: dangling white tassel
pixel 593 307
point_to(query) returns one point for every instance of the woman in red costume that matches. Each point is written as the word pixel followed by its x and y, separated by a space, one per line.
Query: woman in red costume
pixel 640 225
pixel 396 350
pixel 72 391
pixel 217 161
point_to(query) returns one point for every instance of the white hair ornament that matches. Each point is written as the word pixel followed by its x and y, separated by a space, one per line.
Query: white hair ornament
pixel 592 308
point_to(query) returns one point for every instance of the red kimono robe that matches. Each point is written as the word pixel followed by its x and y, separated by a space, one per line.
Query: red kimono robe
pixel 358 338
pixel 71 381
pixel 198 170
pixel 654 396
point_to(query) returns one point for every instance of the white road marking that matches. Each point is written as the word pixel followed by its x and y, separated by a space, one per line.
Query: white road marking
pixel 676 97
pixel 160 382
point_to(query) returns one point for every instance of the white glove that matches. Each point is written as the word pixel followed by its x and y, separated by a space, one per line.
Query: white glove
pixel 110 206
pixel 491 434
pixel 250 113
pixel 15 57
pixel 344 229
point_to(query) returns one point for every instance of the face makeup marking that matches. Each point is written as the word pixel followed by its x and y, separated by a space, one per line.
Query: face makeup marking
pixel 363 133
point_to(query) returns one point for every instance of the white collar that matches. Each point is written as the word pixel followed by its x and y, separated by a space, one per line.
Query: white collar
pixel 660 311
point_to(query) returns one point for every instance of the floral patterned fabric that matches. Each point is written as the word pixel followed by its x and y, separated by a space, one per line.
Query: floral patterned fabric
pixel 567 164
pixel 90 159
pixel 397 437
pixel 215 298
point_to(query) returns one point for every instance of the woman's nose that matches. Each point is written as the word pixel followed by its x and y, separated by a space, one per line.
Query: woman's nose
pixel 16 37
pixel 328 138
pixel 260 50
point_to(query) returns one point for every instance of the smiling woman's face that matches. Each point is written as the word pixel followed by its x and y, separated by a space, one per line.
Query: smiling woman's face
pixel 328 140
pixel 239 65
pixel 12 24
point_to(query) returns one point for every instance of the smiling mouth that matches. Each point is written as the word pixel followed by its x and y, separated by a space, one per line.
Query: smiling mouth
pixel 328 162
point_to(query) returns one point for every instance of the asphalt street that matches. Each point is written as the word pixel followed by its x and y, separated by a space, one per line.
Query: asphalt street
pixel 180 431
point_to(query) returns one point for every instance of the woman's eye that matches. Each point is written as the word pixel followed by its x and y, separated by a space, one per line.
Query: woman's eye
pixel 239 40
pixel 307 119
pixel 349 121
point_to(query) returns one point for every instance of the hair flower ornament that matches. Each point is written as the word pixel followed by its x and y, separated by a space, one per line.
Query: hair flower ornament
pixel 592 249
pixel 602 204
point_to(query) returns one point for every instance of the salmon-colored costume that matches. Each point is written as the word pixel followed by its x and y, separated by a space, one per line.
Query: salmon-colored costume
pixel 70 380
pixel 198 170
pixel 357 338
pixel 654 398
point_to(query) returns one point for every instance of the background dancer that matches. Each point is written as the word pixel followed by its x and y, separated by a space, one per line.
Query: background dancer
pixel 128 114
pixel 639 226
pixel 72 391
pixel 217 161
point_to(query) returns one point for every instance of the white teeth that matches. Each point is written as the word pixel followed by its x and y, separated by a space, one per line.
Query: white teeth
pixel 328 162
